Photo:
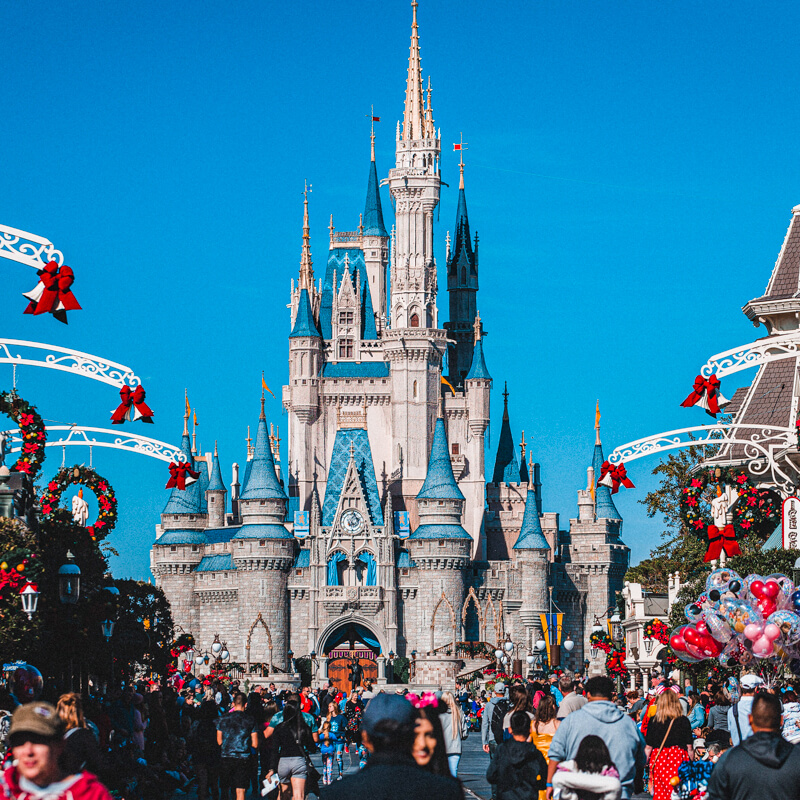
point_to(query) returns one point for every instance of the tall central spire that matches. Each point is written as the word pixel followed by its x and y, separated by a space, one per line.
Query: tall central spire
pixel 414 115
pixel 306 266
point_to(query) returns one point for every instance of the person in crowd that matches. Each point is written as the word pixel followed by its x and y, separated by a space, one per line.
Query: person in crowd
pixel 327 747
pixel 697 713
pixel 236 734
pixel 572 701
pixel 453 730
pixel 520 701
pixel 205 751
pixel 544 725
pixel 388 732
pixel 430 750
pixel 668 743
pixel 591 774
pixel 718 713
pixel 291 741
pixel 602 718
pixel 122 715
pixel 764 764
pixel 637 705
pixel 518 769
pixel 338 733
pixel 739 712
pixel 492 723
pixel 791 717
pixel 81 748
pixel 37 747
pixel 717 743
pixel 555 688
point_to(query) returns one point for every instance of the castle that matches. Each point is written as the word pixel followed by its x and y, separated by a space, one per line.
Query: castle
pixel 381 531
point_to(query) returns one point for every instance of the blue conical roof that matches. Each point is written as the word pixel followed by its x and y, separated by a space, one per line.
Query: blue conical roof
pixel 604 507
pixel 530 535
pixel 506 468
pixel 304 324
pixel 185 501
pixel 462 254
pixel 202 486
pixel 262 480
pixel 440 483
pixel 373 213
pixel 215 484
pixel 478 369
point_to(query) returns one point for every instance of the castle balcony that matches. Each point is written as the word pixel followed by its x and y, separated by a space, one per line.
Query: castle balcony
pixel 367 599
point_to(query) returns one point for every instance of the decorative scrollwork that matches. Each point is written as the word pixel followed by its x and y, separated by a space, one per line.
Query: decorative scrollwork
pixel 77 435
pixel 754 354
pixel 66 360
pixel 27 248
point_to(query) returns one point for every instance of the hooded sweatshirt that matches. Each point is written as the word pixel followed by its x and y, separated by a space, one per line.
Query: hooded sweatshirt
pixel 763 765
pixel 606 720
pixel 518 769
pixel 791 722
pixel 83 786
pixel 570 784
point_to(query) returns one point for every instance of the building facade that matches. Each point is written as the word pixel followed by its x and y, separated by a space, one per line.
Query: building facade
pixel 382 530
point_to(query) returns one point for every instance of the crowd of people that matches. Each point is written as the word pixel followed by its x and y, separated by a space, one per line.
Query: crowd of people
pixel 564 738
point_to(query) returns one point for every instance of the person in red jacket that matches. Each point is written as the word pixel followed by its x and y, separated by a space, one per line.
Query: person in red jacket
pixel 36 743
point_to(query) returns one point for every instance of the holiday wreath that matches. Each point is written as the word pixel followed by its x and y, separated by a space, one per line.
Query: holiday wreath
pixel 656 629
pixel 85 476
pixel 31 430
pixel 755 511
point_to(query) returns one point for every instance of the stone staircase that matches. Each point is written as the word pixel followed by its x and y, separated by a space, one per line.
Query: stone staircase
pixel 473 665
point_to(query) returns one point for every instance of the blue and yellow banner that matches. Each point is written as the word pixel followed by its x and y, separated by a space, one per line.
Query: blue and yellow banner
pixel 551 626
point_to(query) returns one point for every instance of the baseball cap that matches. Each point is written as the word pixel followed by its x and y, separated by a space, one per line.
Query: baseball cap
pixel 751 681
pixel 39 718
pixel 700 742
pixel 500 688
pixel 387 706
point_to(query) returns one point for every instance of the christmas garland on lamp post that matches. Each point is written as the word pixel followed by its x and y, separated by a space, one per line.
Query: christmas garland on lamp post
pixel 85 476
pixel 32 431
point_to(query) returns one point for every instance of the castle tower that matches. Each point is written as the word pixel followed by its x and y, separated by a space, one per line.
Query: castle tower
pixel 263 549
pixel 531 556
pixel 462 289
pixel 375 241
pixel 441 549
pixel 215 494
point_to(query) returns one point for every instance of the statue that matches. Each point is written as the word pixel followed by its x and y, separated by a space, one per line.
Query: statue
pixel 80 509
pixel 722 505
pixel 356 673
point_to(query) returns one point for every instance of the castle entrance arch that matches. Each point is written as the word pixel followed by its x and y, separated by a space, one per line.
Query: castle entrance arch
pixel 352 648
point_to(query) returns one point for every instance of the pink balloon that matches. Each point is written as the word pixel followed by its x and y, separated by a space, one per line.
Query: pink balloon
pixel 752 631
pixel 772 631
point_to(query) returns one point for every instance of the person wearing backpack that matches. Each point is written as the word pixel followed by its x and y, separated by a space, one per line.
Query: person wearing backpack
pixel 492 724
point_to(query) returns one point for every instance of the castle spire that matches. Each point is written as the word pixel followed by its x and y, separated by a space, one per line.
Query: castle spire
pixel 506 468
pixel 372 219
pixel 306 265
pixel 604 507
pixel 414 114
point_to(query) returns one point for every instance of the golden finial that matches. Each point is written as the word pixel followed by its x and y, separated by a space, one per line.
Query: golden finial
pixel 597 423
pixel 330 230
pixel 187 413
pixel 360 224
pixel 249 444
pixel 306 265
pixel 522 446
pixel 216 452
pixel 478 327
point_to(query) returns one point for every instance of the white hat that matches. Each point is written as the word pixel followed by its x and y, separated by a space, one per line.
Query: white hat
pixel 751 681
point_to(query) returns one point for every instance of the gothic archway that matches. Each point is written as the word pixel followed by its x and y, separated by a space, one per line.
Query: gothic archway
pixel 259 621
pixel 347 638
pixel 497 624
pixel 472 598
pixel 449 605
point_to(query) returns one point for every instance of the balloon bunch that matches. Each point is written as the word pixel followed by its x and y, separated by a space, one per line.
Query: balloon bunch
pixel 738 619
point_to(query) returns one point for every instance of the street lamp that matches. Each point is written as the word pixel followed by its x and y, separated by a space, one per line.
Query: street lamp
pixel 568 644
pixel 107 626
pixel 69 581
pixel 30 599
pixel 616 628
pixel 648 645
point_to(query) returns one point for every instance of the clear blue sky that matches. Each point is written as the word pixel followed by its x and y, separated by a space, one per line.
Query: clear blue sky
pixel 630 173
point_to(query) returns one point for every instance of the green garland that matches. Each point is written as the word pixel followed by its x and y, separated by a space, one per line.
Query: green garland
pixel 757 511
pixel 32 432
pixel 86 476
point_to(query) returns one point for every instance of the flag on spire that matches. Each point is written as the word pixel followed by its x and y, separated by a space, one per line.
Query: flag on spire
pixel 264 385
pixel 447 383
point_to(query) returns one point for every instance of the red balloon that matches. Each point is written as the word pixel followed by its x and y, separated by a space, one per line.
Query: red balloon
pixel 702 628
pixel 757 588
pixel 677 642
pixel 772 589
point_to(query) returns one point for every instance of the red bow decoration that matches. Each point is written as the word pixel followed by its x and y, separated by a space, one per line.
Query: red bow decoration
pixel 178 475
pixel 52 294
pixel 719 540
pixel 706 394
pixel 132 406
pixel 612 476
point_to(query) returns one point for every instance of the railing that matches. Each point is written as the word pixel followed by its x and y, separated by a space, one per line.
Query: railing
pixel 469 650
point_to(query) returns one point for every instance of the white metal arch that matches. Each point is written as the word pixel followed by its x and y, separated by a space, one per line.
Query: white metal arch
pixel 78 435
pixel 35 354
pixel 754 354
pixel 28 248
pixel 764 447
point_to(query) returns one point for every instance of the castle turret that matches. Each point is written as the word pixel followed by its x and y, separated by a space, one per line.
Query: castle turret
pixel 215 494
pixel 440 547
pixel 462 288
pixel 375 241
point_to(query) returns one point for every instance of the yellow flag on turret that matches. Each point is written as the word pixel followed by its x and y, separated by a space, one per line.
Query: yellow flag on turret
pixel 188 407
pixel 447 383
pixel 195 416
pixel 264 385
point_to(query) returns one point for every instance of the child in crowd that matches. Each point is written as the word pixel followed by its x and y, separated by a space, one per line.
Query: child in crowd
pixel 591 776
pixel 328 749
pixel 518 768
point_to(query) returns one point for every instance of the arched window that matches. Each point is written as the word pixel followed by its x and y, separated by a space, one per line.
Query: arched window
pixel 415 390
pixel 463 275
pixel 414 321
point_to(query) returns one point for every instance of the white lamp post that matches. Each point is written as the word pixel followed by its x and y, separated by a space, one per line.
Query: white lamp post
pixel 30 599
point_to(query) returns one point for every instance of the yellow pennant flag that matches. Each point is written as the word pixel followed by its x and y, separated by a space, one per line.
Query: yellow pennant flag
pixel 195 416
pixel 188 407
pixel 264 385
pixel 447 383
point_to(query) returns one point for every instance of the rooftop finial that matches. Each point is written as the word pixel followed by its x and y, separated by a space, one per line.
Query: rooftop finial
pixel 414 115
pixel 330 230
pixel 360 224
pixel 306 266
pixel 522 446
pixel 478 327
pixel 187 413
pixel 505 394
pixel 531 484
pixel 249 444
pixel 373 119
pixel 216 452
pixel 461 146
pixel 352 451
pixel 597 423
pixel 194 433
